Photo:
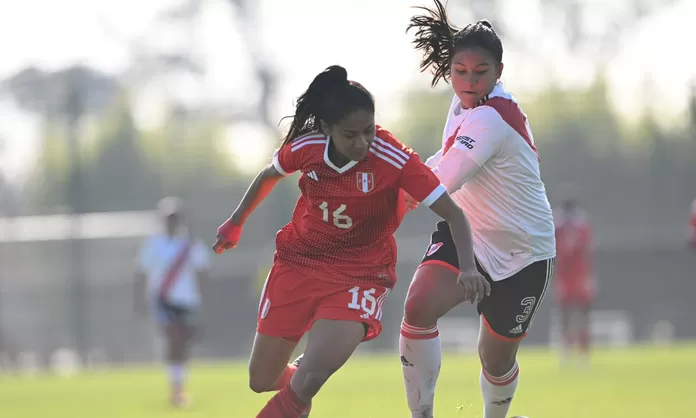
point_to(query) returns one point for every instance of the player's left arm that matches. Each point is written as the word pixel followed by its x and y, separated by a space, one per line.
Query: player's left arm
pixel 481 136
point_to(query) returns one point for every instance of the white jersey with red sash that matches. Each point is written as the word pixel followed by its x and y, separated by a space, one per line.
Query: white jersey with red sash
pixel 171 265
pixel 490 166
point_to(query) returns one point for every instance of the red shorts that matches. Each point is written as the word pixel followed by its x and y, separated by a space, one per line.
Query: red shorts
pixel 292 301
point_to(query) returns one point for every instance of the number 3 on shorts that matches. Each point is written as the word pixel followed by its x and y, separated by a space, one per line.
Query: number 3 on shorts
pixel 368 303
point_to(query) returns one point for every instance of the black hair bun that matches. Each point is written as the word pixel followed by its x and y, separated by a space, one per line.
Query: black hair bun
pixel 335 74
pixel 485 23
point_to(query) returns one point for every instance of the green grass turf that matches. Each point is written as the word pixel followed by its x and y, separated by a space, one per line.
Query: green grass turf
pixel 639 382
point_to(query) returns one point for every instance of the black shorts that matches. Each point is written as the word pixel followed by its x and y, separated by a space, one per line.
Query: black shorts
pixel 513 302
pixel 168 313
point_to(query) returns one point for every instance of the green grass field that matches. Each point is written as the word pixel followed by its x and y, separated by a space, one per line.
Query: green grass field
pixel 637 383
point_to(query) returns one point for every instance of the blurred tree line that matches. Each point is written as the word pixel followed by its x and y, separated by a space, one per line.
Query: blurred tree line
pixel 581 140
pixel 94 158
pixel 121 167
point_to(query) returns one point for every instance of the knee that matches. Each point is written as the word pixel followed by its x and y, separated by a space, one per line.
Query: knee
pixel 417 311
pixel 497 362
pixel 260 382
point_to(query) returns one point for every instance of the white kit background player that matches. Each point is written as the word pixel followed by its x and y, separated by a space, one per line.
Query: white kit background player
pixel 490 166
pixel 171 266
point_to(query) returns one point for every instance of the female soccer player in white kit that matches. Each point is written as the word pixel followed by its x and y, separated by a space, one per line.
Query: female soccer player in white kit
pixel 489 164
pixel 170 268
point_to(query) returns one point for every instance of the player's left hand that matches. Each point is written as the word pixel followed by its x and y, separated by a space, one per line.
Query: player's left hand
pixel 476 287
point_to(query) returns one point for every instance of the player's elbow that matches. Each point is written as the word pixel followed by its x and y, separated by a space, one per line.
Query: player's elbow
pixel 270 172
pixel 448 210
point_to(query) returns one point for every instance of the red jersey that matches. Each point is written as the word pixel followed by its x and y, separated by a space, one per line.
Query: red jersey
pixel 343 226
pixel 573 248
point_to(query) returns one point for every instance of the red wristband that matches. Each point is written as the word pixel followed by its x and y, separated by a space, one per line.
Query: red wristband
pixel 229 231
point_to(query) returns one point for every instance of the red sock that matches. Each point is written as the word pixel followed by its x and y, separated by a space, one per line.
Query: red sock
pixel 285 377
pixel 285 404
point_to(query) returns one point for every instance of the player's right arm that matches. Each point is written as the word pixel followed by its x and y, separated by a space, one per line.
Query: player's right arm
pixel 480 137
pixel 420 182
pixel 285 162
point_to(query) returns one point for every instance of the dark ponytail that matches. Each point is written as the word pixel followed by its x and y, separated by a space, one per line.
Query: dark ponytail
pixel 330 97
pixel 434 37
pixel 438 40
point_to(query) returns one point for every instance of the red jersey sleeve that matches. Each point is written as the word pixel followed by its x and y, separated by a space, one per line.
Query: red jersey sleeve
pixel 420 182
pixel 286 161
pixel 416 178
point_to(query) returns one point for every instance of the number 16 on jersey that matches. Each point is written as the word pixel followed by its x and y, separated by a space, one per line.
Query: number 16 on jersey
pixel 339 219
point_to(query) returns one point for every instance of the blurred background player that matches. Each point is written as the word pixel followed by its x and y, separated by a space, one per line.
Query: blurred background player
pixel 575 282
pixel 171 267
pixel 335 261
pixel 489 164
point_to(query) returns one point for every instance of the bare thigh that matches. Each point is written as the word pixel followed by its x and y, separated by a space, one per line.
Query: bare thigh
pixel 433 292
pixel 269 357
pixel 330 345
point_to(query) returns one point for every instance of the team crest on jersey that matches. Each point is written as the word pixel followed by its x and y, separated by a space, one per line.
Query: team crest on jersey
pixel 365 182
pixel 433 249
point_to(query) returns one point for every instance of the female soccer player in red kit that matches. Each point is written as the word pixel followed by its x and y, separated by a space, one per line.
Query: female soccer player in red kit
pixel 489 164
pixel 335 261
pixel 575 281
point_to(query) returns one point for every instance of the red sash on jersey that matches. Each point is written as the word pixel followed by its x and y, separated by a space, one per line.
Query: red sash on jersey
pixel 174 270
pixel 450 141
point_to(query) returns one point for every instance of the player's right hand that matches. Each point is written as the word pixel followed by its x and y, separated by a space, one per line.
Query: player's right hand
pixel 476 287
pixel 227 236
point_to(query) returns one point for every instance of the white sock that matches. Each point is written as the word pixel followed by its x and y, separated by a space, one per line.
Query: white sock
pixel 177 374
pixel 498 392
pixel 421 358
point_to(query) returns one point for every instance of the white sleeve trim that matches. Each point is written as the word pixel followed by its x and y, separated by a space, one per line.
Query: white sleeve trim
pixel 277 166
pixel 434 195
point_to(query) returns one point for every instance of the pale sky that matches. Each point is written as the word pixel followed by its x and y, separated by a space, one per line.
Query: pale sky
pixel 300 38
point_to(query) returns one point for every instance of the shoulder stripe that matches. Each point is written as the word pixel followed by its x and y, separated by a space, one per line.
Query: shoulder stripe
pixel 388 151
pixel 309 135
pixel 399 152
pixel 386 158
pixel 511 113
pixel 295 147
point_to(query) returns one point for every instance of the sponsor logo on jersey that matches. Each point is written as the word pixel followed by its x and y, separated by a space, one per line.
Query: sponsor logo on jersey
pixel 466 141
pixel 365 182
